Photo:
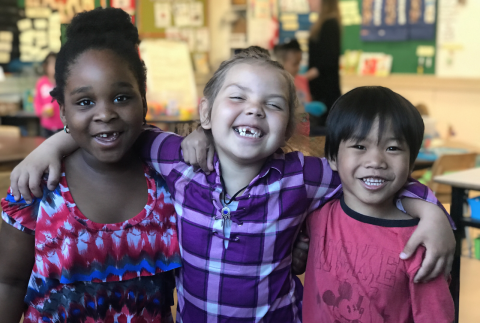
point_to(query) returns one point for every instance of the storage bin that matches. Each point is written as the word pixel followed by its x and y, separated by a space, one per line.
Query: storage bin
pixel 475 207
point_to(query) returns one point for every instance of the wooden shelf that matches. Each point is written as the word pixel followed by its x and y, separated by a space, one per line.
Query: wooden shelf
pixel 414 81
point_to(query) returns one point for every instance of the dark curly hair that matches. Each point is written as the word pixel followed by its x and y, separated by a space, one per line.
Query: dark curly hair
pixel 99 29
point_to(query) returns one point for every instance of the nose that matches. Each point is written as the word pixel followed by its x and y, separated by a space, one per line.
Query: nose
pixel 105 112
pixel 375 158
pixel 255 109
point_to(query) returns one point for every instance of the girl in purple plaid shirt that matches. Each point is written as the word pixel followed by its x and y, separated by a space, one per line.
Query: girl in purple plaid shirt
pixel 237 224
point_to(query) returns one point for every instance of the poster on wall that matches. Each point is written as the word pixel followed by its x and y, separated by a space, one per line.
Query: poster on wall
pixel 421 19
pixel 458 48
pixel 384 20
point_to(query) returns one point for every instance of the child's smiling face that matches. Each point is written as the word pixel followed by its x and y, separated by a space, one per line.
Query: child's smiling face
pixel 372 170
pixel 250 114
pixel 103 107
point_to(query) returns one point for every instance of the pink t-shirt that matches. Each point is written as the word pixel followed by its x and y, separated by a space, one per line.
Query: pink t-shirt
pixel 354 273
pixel 43 99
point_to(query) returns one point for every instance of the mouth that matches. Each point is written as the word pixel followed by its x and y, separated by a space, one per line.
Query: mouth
pixel 250 132
pixel 373 182
pixel 107 136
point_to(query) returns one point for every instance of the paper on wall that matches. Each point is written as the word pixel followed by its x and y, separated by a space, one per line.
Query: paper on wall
pixel 41 38
pixel 40 23
pixel 350 13
pixel 6 36
pixel 173 33
pixel 291 26
pixel 170 72
pixel 41 55
pixel 5 46
pixel 4 58
pixel 162 14
pixel 289 18
pixel 181 14
pixel 38 12
pixel 298 6
pixel 27 37
pixel 24 24
pixel 196 14
pixel 188 35
pixel 202 40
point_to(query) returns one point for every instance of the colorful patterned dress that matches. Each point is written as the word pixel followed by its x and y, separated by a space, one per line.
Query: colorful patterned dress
pixel 90 272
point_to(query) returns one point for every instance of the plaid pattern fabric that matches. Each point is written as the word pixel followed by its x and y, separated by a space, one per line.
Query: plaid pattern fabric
pixel 250 281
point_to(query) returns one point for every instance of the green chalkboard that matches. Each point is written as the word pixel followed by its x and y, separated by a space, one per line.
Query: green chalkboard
pixel 404 55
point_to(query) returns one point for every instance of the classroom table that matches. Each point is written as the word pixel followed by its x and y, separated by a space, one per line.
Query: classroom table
pixel 14 150
pixel 461 182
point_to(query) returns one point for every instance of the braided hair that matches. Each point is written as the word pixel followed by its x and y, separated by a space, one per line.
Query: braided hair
pixel 99 29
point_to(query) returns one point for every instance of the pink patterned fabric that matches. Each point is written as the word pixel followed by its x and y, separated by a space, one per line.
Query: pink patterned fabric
pixel 98 272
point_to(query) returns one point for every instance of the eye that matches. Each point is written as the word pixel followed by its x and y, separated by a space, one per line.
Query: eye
pixel 85 102
pixel 276 106
pixel 359 147
pixel 393 148
pixel 236 98
pixel 120 98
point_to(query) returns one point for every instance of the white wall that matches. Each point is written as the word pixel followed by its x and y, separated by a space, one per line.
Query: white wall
pixel 451 102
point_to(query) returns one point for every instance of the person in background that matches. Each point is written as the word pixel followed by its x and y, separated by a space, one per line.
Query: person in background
pixel 290 56
pixel 353 270
pixel 324 55
pixel 45 107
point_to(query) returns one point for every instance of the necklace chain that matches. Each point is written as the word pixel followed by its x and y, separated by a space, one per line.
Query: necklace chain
pixel 225 192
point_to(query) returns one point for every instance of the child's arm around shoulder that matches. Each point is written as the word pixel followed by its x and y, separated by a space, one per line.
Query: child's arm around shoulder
pixel 17 251
pixel 431 301
pixel 47 157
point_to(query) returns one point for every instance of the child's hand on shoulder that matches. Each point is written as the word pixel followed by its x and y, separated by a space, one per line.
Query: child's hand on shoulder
pixel 26 178
pixel 198 150
pixel 435 233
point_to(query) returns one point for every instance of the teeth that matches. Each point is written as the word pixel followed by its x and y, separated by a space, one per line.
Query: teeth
pixel 373 181
pixel 248 132
pixel 105 135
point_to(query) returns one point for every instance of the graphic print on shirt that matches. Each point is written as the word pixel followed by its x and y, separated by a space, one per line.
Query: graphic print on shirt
pixel 360 272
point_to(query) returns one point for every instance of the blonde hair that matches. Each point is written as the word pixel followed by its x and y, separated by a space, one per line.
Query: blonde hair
pixel 252 55
pixel 329 9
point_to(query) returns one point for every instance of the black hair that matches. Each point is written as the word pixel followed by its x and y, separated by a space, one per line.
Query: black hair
pixel 354 113
pixel 280 51
pixel 99 29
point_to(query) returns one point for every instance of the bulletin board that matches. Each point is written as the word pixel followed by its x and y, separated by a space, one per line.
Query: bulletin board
pixel 405 59
pixel 153 16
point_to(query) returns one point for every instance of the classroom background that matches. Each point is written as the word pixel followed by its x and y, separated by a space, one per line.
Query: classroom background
pixel 426 50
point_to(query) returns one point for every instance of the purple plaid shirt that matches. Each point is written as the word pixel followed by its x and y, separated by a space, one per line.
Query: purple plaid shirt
pixel 250 281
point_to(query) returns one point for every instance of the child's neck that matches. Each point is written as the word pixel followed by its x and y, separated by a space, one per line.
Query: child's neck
pixel 236 176
pixel 385 210
pixel 89 164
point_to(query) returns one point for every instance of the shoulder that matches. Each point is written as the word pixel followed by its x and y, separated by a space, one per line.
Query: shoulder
pixel 321 215
pixel 331 23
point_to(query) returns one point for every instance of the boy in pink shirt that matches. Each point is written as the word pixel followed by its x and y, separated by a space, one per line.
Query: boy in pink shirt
pixel 353 272
pixel 45 108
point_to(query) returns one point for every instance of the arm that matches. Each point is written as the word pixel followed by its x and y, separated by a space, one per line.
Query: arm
pixel 432 301
pixel 17 251
pixel 434 231
pixel 15 271
pixel 163 150
pixel 26 177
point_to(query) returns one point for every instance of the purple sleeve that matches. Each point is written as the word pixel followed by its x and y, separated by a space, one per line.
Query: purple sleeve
pixel 416 190
pixel 160 150
pixel 321 182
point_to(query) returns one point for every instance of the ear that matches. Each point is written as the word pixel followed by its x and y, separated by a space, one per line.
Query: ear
pixel 333 164
pixel 62 114
pixel 204 112
pixel 145 108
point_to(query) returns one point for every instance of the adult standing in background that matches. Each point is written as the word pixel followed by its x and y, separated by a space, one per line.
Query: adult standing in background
pixel 324 55
pixel 45 107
